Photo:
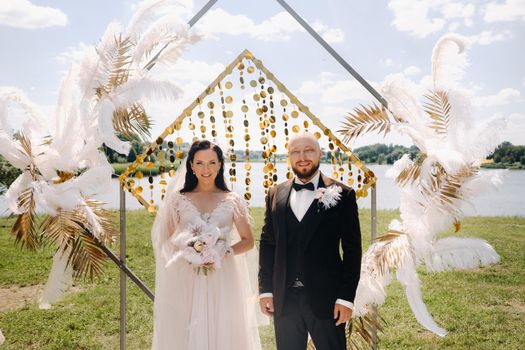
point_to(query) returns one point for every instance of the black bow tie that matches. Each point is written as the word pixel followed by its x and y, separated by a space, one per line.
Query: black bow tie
pixel 308 186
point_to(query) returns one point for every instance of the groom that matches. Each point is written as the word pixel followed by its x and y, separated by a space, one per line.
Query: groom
pixel 303 281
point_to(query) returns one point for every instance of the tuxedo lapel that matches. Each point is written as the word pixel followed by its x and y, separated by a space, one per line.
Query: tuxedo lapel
pixel 281 200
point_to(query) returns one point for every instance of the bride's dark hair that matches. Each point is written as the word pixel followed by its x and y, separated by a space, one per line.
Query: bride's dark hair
pixel 191 180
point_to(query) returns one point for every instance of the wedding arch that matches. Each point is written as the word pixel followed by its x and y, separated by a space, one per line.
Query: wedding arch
pixel 270 114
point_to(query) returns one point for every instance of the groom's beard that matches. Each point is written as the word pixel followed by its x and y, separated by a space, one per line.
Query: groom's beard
pixel 306 175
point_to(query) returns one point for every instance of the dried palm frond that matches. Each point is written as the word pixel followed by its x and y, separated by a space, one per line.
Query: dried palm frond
pixel 412 172
pixel 71 229
pixel 105 219
pixel 61 229
pixel 24 228
pixel 117 64
pixel 438 108
pixel 363 120
pixel 360 332
pixel 468 171
pixel 443 189
pixel 26 148
pixel 132 121
pixel 86 256
pixel 392 250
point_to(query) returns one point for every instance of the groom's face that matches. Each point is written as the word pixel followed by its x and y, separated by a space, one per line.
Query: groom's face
pixel 304 155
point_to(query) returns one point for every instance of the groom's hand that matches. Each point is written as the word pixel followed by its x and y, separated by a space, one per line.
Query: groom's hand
pixel 266 305
pixel 342 314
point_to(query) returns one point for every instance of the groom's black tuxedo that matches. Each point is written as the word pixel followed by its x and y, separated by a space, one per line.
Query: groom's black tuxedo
pixel 314 251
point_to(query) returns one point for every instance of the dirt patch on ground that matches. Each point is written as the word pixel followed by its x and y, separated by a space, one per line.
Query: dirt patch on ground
pixel 510 306
pixel 15 297
pixel 515 306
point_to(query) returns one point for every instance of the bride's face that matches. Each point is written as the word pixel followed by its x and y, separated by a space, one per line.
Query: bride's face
pixel 206 166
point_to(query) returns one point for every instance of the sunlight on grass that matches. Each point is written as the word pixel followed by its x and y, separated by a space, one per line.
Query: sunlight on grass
pixel 481 309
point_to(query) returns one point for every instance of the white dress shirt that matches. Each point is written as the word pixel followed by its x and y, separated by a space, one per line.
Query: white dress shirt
pixel 300 201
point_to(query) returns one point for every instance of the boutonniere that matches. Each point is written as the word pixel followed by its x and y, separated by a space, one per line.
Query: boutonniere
pixel 328 196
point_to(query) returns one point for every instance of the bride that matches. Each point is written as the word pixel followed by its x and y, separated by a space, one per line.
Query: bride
pixel 210 303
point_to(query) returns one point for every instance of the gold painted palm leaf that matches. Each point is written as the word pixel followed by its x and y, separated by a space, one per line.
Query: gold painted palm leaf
pixel 364 120
pixel 71 229
pixel 24 229
pixel 438 108
pixel 443 189
pixel 60 229
pixel 359 332
pixel 132 121
pixel 86 256
pixel 393 250
pixel 411 173
pixel 117 63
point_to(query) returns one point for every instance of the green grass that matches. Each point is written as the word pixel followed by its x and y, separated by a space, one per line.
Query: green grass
pixel 481 309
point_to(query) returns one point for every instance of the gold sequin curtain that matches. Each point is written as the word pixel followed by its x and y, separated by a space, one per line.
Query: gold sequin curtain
pixel 253 115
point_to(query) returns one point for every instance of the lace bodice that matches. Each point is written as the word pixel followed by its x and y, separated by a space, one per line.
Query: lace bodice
pixel 222 216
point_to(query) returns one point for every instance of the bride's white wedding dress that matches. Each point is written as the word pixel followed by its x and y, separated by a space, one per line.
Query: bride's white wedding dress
pixel 193 311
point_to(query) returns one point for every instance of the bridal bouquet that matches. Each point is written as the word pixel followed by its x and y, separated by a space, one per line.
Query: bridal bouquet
pixel 202 246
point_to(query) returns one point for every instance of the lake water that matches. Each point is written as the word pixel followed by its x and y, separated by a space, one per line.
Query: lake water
pixel 509 199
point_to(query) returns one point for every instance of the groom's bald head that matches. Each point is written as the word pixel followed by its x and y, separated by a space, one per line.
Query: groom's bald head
pixel 302 138
pixel 304 154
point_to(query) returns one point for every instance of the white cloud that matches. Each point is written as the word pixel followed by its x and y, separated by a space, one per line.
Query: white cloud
pixel 387 62
pixel 411 70
pixel 510 10
pixel 72 54
pixel 24 14
pixel 277 28
pixel 331 35
pixel 421 18
pixel 487 37
pixel 515 129
pixel 330 90
pixel 188 70
pixel 503 97
pixel 452 27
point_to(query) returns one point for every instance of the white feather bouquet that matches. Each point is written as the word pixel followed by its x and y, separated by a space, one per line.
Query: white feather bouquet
pixel 202 246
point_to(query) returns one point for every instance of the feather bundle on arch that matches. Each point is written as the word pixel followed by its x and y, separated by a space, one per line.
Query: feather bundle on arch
pixel 435 188
pixel 62 165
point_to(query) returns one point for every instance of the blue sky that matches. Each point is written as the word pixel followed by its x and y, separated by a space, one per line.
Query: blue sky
pixel 380 39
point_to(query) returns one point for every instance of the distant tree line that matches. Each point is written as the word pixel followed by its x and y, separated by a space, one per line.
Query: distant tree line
pixel 8 174
pixel 384 154
pixel 508 155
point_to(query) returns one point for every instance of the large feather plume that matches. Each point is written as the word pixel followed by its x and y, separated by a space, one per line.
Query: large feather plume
pixel 435 188
pixel 63 167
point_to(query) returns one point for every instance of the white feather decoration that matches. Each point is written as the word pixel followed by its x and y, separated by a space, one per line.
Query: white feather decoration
pixel 144 13
pixel 143 89
pixel 59 281
pixel 436 190
pixel 407 276
pixel 448 62
pixel 107 78
pixel 460 253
